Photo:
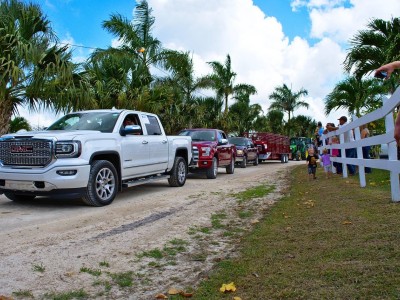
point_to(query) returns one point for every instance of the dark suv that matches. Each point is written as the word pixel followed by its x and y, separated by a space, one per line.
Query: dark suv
pixel 246 151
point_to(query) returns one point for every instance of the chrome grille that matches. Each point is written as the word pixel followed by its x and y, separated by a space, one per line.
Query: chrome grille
pixel 26 152
pixel 195 154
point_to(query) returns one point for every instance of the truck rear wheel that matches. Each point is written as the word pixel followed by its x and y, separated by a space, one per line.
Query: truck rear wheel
pixel 102 184
pixel 213 171
pixel 178 172
pixel 256 161
pixel 16 197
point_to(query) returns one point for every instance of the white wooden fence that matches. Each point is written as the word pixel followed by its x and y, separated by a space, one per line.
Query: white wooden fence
pixel 391 164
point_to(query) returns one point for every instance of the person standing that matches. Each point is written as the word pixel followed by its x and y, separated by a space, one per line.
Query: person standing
pixel 312 161
pixel 348 137
pixel 365 149
pixel 326 162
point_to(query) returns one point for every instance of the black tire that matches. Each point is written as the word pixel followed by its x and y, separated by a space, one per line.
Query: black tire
pixel 178 172
pixel 102 184
pixel 243 163
pixel 213 171
pixel 15 197
pixel 230 169
pixel 256 162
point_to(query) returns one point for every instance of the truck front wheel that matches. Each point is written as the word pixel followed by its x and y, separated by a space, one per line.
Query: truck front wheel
pixel 244 162
pixel 178 172
pixel 102 184
pixel 230 169
pixel 213 171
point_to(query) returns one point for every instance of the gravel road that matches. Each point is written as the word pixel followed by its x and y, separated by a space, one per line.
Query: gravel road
pixel 53 246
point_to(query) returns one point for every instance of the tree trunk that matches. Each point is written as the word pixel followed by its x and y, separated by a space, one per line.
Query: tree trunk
pixel 5 115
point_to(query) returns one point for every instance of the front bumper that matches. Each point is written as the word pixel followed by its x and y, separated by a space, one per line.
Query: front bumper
pixel 42 181
pixel 202 164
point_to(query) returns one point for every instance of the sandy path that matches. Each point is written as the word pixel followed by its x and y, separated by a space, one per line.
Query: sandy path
pixel 62 236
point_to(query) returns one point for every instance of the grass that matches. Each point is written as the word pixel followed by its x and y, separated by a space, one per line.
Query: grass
pixel 326 239
pixel 90 271
pixel 39 268
pixel 23 294
pixel 79 294
pixel 255 192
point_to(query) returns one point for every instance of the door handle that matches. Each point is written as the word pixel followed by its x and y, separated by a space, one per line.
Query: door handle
pixel 145 142
pixel 164 141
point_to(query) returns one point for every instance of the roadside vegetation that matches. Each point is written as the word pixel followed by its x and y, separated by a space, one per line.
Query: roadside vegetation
pixel 39 72
pixel 326 239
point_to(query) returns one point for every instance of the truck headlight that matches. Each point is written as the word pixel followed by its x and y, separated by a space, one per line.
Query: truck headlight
pixel 205 151
pixel 68 149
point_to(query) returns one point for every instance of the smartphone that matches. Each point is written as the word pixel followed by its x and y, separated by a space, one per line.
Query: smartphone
pixel 381 75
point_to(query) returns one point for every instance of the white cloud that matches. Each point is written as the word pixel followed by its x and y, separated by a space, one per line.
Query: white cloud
pixel 261 54
pixel 341 23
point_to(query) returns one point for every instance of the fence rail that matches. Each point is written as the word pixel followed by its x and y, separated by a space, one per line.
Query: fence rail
pixel 392 164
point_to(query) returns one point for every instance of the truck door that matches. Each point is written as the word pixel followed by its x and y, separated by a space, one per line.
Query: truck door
pixel 157 141
pixel 135 152
pixel 224 151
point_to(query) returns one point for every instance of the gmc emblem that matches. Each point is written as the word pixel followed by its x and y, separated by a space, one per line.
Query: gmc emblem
pixel 21 149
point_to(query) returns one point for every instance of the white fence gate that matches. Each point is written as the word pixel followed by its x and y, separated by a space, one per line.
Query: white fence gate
pixel 391 164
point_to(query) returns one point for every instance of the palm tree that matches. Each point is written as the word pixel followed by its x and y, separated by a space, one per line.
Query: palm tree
pixel 33 73
pixel 286 100
pixel 223 79
pixel 243 114
pixel 377 45
pixel 183 83
pixel 275 121
pixel 138 50
pixel 302 126
pixel 19 123
pixel 354 95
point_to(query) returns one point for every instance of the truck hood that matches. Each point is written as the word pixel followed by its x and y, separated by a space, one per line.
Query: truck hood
pixel 51 134
pixel 204 144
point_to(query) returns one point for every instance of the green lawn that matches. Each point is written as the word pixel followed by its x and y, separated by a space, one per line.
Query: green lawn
pixel 326 239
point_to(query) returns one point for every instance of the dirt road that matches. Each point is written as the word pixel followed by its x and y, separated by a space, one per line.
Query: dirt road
pixel 151 238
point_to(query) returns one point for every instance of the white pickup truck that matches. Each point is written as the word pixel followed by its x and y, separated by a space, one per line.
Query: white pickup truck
pixel 92 155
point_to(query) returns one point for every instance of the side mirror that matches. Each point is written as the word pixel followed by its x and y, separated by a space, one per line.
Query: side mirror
pixel 223 142
pixel 130 129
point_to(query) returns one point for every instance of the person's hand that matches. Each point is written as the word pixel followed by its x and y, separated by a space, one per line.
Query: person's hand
pixel 389 68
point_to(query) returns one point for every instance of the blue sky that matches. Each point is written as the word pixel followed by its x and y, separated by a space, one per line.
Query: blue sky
pixel 301 43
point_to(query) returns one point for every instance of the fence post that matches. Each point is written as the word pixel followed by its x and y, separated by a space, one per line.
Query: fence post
pixel 343 154
pixel 360 157
pixel 392 155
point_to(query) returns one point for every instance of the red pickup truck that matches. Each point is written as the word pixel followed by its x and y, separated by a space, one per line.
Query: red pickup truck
pixel 211 150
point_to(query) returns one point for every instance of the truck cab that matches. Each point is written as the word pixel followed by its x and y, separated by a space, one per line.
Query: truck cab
pixel 212 150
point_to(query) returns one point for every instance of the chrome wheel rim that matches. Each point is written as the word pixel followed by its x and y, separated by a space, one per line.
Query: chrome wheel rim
pixel 181 172
pixel 105 184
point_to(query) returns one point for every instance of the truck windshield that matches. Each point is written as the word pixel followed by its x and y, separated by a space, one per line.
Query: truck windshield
pixel 237 141
pixel 200 135
pixel 100 121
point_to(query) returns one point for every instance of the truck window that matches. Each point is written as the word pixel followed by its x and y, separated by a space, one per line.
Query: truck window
pixel 221 135
pixel 153 127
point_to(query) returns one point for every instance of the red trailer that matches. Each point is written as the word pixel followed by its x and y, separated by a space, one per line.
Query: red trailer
pixel 271 146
